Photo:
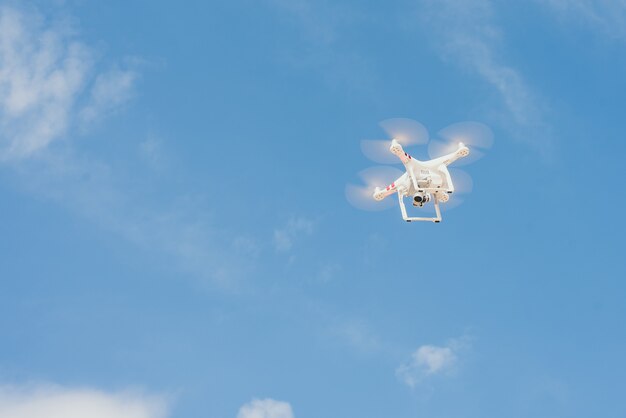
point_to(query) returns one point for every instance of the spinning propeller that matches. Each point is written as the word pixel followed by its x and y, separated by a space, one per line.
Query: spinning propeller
pixel 463 185
pixel 408 132
pixel 476 136
pixel 361 196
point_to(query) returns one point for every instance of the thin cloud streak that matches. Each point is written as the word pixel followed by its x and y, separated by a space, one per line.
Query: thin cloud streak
pixel 320 28
pixel 285 237
pixel 92 190
pixel 321 25
pixel 466 34
pixel 359 335
pixel 605 16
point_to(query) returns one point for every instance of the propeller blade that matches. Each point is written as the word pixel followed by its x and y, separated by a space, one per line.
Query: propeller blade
pixel 361 196
pixel 462 181
pixel 477 136
pixel 453 203
pixel 463 185
pixel 380 176
pixel 377 150
pixel 405 131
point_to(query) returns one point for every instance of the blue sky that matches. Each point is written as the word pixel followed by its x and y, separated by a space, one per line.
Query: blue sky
pixel 176 241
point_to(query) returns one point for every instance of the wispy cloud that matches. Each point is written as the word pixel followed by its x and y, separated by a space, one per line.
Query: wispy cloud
pixel 110 91
pixel 285 237
pixel 320 26
pixel 328 272
pixel 358 334
pixel 46 80
pixel 42 73
pixel 183 229
pixel 54 401
pixel 605 16
pixel 312 18
pixel 50 87
pixel 265 408
pixel 152 152
pixel 430 360
pixel 465 33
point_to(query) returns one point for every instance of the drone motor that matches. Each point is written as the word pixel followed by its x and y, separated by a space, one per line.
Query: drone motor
pixel 443 197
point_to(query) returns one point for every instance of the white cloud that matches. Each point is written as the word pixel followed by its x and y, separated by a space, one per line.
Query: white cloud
pixel 51 401
pixel 284 237
pixel 434 359
pixel 50 86
pixel 265 408
pixel 42 72
pixel 430 360
pixel 465 34
pixel 45 75
pixel 606 16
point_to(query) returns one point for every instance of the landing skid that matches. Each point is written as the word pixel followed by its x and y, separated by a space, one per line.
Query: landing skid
pixel 435 219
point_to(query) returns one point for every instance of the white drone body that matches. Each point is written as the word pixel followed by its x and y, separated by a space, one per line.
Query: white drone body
pixel 424 181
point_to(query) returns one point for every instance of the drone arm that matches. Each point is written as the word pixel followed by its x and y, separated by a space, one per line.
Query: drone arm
pixel 380 194
pixel 397 150
pixel 448 159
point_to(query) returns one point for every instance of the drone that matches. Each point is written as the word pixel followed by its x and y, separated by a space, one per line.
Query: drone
pixel 424 182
